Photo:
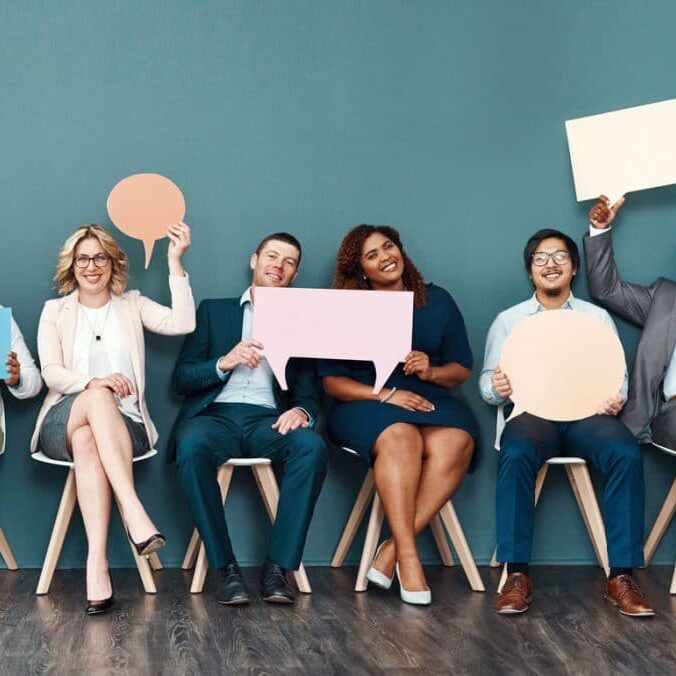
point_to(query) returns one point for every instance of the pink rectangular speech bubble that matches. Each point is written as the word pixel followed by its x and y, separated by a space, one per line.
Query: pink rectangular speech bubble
pixel 374 326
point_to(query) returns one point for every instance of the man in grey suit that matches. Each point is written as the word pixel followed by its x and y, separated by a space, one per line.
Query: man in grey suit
pixel 650 411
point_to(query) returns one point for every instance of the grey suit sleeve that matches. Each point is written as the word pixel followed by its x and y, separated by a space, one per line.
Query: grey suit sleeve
pixel 629 301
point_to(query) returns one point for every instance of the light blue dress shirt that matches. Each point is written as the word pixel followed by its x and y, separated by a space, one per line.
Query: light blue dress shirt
pixel 502 327
pixel 247 385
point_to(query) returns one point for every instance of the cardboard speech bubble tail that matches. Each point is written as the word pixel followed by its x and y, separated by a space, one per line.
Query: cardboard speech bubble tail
pixel 278 365
pixel 148 246
pixel 383 371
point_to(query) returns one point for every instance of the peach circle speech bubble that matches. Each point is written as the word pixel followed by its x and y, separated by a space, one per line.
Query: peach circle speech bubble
pixel 144 206
pixel 562 364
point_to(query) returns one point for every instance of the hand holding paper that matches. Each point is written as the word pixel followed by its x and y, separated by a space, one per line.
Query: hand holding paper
pixel 603 213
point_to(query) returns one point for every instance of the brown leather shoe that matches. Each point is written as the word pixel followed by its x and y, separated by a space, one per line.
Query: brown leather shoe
pixel 624 593
pixel 516 594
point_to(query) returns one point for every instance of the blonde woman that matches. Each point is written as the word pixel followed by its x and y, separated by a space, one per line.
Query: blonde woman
pixel 91 348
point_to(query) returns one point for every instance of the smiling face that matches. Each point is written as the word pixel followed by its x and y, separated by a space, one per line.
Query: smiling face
pixel 275 265
pixel 382 262
pixel 90 277
pixel 552 279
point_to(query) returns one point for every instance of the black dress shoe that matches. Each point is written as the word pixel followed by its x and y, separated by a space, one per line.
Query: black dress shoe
pixel 275 587
pixel 98 607
pixel 232 591
pixel 152 544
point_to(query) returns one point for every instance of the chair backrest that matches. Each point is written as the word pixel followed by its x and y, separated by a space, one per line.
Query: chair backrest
pixel 41 457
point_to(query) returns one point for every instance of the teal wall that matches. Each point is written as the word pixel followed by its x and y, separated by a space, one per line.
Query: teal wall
pixel 444 119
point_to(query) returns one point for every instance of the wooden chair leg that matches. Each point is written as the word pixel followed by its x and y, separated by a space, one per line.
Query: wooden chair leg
pixel 192 551
pixel 267 484
pixel 661 522
pixel 354 520
pixel 591 514
pixel 61 523
pixel 539 480
pixel 155 561
pixel 452 523
pixel 437 528
pixel 223 478
pixel 673 582
pixel 6 552
pixel 370 542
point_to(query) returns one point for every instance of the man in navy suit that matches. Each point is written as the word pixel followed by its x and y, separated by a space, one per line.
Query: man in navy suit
pixel 234 408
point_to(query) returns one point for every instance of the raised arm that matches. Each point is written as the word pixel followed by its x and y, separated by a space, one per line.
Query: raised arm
pixel 629 301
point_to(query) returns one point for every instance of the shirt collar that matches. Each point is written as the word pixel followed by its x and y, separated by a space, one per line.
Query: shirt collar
pixel 245 297
pixel 534 305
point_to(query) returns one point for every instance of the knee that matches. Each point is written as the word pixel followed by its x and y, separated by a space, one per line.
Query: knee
pixel 626 456
pixel 98 396
pixel 399 442
pixel 518 452
pixel 191 452
pixel 313 451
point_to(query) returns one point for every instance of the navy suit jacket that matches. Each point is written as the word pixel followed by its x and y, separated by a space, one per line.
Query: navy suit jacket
pixel 218 330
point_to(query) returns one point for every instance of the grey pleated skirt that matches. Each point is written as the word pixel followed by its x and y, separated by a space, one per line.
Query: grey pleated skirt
pixel 53 437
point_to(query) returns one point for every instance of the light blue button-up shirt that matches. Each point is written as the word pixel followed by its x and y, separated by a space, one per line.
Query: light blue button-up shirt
pixel 247 385
pixel 502 327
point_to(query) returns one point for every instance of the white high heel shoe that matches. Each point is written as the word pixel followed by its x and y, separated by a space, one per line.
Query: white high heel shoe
pixel 416 598
pixel 375 576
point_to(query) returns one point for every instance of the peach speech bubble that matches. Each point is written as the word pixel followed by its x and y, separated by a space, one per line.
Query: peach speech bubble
pixel 144 206
pixel 372 326
pixel 562 364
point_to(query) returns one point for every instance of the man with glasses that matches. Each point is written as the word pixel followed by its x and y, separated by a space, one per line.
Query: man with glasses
pixel 527 442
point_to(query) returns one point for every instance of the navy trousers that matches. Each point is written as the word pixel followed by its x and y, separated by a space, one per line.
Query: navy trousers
pixel 226 431
pixel 602 440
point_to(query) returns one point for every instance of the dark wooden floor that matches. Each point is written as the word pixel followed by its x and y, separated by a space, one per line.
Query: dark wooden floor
pixel 569 629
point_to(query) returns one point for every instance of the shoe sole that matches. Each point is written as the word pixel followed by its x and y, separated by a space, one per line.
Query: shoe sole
pixel 153 547
pixel 624 612
pixel 236 602
pixel 282 600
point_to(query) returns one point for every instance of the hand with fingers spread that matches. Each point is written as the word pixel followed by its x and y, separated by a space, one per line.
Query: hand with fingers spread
pixel 243 354
pixel 291 420
pixel 117 382
pixel 501 384
pixel 13 370
pixel 418 363
pixel 611 406
pixel 602 214
pixel 410 401
pixel 179 242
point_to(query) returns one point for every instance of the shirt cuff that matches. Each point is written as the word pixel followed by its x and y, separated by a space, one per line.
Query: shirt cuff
pixel 310 419
pixel 594 232
pixel 222 375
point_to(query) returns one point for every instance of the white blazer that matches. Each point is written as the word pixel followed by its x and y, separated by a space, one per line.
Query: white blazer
pixel 30 383
pixel 56 334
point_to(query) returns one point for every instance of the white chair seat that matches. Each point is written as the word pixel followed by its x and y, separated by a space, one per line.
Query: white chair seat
pixel 671 451
pixel 446 521
pixel 248 462
pixel 64 514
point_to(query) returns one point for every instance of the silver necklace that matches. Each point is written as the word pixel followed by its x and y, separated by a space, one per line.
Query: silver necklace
pixel 97 334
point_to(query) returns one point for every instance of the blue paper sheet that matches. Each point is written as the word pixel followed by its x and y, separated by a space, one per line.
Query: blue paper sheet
pixel 5 338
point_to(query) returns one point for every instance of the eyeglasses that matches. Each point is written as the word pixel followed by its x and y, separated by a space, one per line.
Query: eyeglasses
pixel 542 258
pixel 100 261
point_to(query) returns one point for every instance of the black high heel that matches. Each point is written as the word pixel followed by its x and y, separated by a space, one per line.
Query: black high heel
pixel 98 607
pixel 152 544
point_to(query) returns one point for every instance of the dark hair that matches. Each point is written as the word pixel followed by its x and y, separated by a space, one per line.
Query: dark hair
pixel 349 274
pixel 282 237
pixel 534 241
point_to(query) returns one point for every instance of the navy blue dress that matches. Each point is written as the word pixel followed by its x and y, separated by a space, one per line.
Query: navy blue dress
pixel 438 331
